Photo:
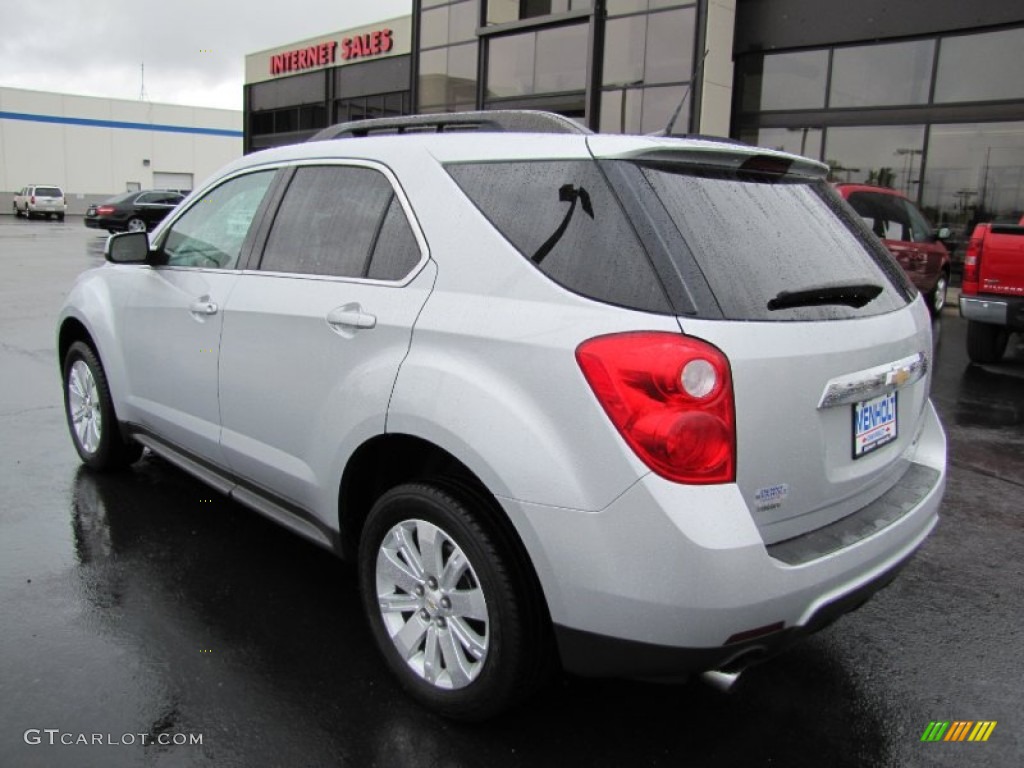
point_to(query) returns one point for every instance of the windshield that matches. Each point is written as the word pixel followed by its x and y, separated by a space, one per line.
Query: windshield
pixel 760 240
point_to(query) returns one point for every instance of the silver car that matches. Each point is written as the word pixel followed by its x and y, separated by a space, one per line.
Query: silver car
pixel 632 406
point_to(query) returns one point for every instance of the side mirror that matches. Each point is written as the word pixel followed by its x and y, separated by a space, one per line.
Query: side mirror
pixel 128 248
pixel 943 234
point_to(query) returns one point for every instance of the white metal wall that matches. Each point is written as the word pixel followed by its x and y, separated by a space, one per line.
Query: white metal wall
pixel 93 162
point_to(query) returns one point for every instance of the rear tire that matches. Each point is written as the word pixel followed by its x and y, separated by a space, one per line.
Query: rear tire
pixel 89 408
pixel 60 217
pixel 986 343
pixel 448 603
pixel 136 224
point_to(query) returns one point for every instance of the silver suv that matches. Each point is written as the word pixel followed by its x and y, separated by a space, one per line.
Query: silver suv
pixel 642 406
pixel 40 200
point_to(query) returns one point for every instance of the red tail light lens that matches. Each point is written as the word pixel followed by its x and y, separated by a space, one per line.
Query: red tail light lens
pixel 32 199
pixel 105 210
pixel 972 260
pixel 671 398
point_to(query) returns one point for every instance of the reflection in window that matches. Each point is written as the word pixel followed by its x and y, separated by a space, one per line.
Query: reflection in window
pixel 975 173
pixel 670 37
pixel 504 11
pixel 561 59
pixel 785 81
pixel 510 70
pixel 434 27
pixel 878 75
pixel 985 67
pixel 462 22
pixel 432 77
pixel 624 50
pixel 643 110
pixel 889 156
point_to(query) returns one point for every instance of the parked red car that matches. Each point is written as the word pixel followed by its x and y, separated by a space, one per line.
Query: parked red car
pixel 992 299
pixel 911 238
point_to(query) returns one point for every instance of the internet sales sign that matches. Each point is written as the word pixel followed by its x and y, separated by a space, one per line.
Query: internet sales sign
pixel 359 46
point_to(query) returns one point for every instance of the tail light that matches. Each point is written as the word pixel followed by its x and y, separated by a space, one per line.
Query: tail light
pixel 671 399
pixel 972 260
pixel 104 210
pixel 32 199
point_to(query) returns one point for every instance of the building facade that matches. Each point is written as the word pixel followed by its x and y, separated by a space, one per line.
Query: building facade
pixel 925 99
pixel 95 148
pixel 294 90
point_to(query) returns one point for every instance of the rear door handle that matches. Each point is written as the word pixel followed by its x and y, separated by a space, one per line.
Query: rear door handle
pixel 350 316
pixel 203 307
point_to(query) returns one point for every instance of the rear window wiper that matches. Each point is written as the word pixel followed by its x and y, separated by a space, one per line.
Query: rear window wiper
pixel 854 295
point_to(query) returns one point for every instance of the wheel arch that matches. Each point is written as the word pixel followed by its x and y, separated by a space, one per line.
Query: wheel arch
pixel 388 460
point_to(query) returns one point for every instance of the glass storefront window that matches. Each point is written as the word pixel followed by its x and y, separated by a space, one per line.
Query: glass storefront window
pixel 462 76
pixel 433 74
pixel 785 81
pixel 879 75
pixel 510 65
pixel 670 37
pixel 659 104
pixel 616 7
pixel 975 173
pixel 561 59
pixel 889 156
pixel 462 22
pixel 624 50
pixel 434 27
pixel 985 67
pixel 504 11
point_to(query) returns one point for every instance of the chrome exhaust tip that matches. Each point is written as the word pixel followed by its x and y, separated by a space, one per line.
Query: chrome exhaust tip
pixel 720 681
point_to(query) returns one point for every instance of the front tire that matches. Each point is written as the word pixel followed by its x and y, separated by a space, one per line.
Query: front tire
pixel 448 603
pixel 90 412
pixel 986 343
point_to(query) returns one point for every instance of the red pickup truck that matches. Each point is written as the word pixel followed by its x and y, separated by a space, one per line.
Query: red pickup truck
pixel 992 295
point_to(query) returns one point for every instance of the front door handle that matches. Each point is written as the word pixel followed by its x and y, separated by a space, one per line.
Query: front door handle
pixel 203 307
pixel 350 316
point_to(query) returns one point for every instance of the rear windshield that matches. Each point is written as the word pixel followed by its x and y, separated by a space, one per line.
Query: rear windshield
pixel 755 237
pixel 48 192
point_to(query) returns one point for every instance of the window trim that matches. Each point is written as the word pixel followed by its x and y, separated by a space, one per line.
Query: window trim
pixel 253 264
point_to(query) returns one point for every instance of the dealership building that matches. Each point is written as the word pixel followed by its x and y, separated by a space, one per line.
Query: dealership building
pixel 94 148
pixel 925 98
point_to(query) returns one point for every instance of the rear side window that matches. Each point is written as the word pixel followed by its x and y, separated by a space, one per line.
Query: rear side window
pixel 333 219
pixel 756 238
pixel 563 217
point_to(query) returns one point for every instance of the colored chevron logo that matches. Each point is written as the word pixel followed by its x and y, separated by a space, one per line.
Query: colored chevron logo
pixel 958 730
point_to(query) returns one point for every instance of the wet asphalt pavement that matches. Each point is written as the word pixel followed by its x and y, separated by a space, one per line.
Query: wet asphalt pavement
pixel 144 608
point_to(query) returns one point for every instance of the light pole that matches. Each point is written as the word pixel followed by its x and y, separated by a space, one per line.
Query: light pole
pixel 909 166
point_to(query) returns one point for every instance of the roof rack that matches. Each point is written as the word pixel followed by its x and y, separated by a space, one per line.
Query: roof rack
pixel 500 120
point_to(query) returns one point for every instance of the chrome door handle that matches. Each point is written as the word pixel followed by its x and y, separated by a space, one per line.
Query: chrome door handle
pixel 351 316
pixel 203 307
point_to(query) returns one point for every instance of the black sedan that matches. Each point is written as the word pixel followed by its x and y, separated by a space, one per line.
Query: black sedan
pixel 132 211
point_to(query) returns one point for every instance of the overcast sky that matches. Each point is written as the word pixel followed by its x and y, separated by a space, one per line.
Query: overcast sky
pixel 194 50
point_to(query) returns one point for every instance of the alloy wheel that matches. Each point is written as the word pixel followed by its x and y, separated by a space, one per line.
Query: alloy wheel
pixel 432 604
pixel 84 406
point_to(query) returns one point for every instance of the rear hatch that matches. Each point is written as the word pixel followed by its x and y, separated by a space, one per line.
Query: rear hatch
pixel 1002 262
pixel 828 350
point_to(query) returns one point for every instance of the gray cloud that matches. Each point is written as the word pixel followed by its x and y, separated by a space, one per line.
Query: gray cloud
pixel 193 50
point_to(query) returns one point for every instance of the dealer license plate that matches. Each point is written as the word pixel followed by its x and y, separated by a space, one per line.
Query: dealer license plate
pixel 874 424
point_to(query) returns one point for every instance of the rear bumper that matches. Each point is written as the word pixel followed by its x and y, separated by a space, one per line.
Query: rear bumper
pixel 671 579
pixel 1007 311
pixel 592 655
